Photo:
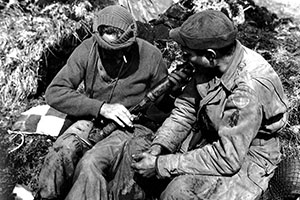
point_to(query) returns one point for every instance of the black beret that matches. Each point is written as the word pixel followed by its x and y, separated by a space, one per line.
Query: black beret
pixel 208 29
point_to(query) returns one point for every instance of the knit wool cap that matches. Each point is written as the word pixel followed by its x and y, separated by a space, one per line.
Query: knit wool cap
pixel 208 29
pixel 116 16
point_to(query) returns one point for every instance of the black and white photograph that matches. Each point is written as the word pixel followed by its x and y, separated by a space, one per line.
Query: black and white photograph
pixel 149 100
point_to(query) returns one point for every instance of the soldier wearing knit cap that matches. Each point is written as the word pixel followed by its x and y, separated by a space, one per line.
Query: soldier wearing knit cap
pixel 117 69
pixel 118 17
pixel 220 141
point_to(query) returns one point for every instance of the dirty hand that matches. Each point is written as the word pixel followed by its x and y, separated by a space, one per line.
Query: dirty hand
pixel 155 150
pixel 117 113
pixel 144 164
pixel 177 77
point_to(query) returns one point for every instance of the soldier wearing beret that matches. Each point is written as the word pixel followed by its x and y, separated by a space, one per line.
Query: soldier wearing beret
pixel 220 142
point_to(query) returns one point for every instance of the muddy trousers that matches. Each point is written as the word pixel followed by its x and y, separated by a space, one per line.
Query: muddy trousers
pixel 195 187
pixel 59 165
pixel 247 184
pixel 99 175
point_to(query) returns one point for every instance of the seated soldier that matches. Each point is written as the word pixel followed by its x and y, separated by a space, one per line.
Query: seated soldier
pixel 220 141
pixel 117 69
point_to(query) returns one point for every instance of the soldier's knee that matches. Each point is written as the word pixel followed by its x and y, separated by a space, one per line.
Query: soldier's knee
pixel 87 161
pixel 178 189
pixel 81 128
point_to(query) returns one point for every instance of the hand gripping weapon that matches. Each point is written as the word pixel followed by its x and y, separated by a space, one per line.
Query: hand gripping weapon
pixel 182 74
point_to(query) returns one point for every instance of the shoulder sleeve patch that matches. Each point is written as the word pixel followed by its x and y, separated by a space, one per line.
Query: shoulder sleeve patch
pixel 240 101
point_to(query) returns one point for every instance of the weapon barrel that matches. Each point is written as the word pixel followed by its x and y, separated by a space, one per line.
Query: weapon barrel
pixel 151 96
pixel 160 89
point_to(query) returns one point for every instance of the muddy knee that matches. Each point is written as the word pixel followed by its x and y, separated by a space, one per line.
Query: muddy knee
pixel 183 187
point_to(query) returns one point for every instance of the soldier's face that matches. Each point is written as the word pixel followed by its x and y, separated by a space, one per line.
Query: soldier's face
pixel 200 59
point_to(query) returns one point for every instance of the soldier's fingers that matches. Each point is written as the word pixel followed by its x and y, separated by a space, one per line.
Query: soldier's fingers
pixel 118 121
pixel 127 113
pixel 135 166
pixel 137 157
pixel 126 121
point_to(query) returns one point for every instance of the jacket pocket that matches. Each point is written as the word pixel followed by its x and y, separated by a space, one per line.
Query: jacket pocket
pixel 258 175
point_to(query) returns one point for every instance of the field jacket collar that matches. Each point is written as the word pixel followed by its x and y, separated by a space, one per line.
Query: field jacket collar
pixel 227 79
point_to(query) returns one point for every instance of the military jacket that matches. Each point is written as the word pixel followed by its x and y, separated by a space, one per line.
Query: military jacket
pixel 237 115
